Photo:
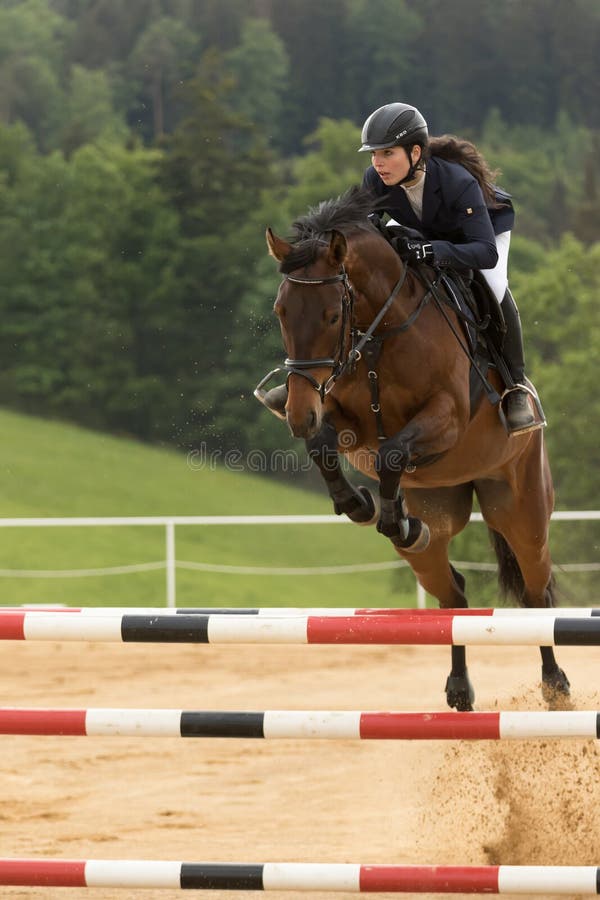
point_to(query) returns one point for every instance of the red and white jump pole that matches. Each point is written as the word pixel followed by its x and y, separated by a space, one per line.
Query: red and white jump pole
pixel 543 630
pixel 348 877
pixel 301 724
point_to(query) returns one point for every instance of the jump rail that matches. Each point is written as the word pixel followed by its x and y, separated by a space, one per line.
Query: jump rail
pixel 279 611
pixel 239 629
pixel 274 724
pixel 349 877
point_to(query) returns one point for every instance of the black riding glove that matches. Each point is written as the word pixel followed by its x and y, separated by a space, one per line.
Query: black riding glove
pixel 413 251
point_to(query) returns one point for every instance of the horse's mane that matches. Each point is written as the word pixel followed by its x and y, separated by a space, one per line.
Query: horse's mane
pixel 347 213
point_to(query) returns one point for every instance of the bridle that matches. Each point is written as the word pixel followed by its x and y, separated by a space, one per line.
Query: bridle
pixel 358 339
pixel 336 363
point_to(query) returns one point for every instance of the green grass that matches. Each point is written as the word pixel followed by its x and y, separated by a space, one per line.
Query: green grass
pixel 53 469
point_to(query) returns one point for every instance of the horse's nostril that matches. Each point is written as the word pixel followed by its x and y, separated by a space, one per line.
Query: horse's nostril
pixel 312 419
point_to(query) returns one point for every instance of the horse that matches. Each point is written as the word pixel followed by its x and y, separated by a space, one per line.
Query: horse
pixel 375 372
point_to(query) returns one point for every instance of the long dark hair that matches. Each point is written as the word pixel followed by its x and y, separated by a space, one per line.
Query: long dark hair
pixel 458 150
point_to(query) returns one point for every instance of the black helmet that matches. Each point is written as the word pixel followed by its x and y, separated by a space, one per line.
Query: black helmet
pixel 394 125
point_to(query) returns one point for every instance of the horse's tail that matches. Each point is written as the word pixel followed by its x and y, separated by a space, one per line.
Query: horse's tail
pixel 510 577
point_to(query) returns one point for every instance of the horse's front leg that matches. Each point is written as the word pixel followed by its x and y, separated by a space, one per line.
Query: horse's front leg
pixel 357 503
pixel 433 430
pixel 406 532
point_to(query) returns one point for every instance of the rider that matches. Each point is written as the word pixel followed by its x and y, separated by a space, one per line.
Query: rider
pixel 443 187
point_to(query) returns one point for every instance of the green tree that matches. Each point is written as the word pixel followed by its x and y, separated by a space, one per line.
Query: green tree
pixel 32 42
pixel 216 170
pixel 88 112
pixel 553 60
pixel 329 168
pixel 91 302
pixel 17 150
pixel 260 65
pixel 536 167
pixel 256 348
pixel 315 35
pixel 457 63
pixel 382 35
pixel 586 215
pixel 558 301
pixel 107 30
pixel 162 57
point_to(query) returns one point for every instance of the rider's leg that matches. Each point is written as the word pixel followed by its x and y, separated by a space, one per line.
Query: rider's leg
pixel 275 400
pixel 519 414
pixel 497 278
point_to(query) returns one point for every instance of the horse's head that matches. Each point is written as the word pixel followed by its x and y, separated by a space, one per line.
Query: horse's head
pixel 313 308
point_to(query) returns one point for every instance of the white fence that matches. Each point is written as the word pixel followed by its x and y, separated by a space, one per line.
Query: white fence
pixel 169 523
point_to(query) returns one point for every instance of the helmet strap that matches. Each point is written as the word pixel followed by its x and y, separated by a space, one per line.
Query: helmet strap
pixel 412 166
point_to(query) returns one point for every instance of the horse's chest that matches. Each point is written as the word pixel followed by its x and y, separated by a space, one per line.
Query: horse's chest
pixel 362 412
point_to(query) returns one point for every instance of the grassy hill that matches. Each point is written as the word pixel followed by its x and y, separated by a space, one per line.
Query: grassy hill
pixel 53 469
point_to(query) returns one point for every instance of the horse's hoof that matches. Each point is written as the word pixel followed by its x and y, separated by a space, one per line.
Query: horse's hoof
pixel 459 693
pixel 417 538
pixel 360 507
pixel 556 689
pixel 371 512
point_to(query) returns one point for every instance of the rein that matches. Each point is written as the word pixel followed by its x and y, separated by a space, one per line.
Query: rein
pixel 365 337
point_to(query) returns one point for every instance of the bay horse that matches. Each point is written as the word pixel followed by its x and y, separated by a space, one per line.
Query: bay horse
pixel 375 372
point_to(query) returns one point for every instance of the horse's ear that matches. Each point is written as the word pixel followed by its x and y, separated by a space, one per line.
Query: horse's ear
pixel 278 248
pixel 338 249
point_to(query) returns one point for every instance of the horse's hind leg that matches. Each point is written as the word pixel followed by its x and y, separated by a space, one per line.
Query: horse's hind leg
pixel 515 576
pixel 446 511
pixel 519 529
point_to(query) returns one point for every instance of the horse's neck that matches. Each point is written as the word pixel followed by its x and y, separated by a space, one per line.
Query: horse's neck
pixel 373 290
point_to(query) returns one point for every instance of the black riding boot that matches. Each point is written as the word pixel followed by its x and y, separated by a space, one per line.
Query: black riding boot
pixel 275 400
pixel 517 403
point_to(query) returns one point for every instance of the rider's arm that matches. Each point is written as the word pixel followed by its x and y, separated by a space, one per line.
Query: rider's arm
pixel 476 246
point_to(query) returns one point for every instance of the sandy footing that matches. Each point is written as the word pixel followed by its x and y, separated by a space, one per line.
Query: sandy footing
pixel 511 802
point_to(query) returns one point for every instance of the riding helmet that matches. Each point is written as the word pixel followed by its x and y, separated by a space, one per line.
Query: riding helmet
pixel 394 125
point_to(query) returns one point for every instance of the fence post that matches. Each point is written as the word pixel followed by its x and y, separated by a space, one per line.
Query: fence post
pixel 170 559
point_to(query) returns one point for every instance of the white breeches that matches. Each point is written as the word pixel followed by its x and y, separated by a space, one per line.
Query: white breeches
pixel 497 278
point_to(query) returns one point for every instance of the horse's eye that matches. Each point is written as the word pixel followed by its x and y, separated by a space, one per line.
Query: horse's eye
pixel 335 318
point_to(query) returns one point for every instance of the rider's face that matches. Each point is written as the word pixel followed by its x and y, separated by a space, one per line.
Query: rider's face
pixel 392 164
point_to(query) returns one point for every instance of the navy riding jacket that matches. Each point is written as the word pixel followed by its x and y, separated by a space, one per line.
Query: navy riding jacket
pixel 456 220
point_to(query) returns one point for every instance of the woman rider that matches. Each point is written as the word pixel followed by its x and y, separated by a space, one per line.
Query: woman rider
pixel 443 187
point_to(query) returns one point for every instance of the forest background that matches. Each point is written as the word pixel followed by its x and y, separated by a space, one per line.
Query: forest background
pixel 145 146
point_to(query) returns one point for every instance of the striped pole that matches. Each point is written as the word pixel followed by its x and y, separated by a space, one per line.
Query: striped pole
pixel 349 877
pixel 276 611
pixel 296 724
pixel 217 629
